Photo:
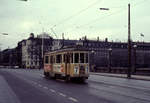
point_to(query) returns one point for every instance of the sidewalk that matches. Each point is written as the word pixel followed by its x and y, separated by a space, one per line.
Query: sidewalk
pixel 137 77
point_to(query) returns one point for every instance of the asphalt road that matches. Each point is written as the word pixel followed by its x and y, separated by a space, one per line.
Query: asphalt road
pixel 30 86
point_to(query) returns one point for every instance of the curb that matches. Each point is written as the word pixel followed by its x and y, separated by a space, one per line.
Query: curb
pixel 117 76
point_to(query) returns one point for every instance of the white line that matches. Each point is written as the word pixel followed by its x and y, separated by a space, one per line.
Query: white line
pixel 35 83
pixel 52 90
pixel 40 85
pixel 62 94
pixel 45 87
pixel 73 99
pixel 41 75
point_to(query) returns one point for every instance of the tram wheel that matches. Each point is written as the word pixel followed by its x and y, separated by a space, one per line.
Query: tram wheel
pixel 67 79
pixel 46 74
pixel 82 80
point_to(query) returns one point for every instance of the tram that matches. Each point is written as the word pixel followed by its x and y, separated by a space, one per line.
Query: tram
pixel 67 63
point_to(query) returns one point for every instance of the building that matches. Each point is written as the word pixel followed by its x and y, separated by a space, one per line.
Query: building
pixel 32 50
pixel 115 54
pixel 60 43
pixel 9 57
pixel 102 53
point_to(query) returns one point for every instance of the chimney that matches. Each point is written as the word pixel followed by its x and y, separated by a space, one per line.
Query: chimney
pixel 98 38
pixel 106 39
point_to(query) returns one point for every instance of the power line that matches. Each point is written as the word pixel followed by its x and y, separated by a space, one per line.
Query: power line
pixel 123 8
pixel 95 20
pixel 76 14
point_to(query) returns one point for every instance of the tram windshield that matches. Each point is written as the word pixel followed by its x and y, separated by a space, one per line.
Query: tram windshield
pixel 81 58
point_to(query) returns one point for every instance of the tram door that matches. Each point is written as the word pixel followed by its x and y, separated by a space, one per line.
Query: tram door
pixel 67 63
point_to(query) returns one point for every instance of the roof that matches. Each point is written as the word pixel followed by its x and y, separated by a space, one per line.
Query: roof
pixel 69 48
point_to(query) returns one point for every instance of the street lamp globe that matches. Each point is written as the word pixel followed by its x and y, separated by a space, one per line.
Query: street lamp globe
pixel 93 51
pixel 135 46
pixel 110 49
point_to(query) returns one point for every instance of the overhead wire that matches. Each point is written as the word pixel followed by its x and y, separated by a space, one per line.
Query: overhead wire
pixel 76 14
pixel 93 21
pixel 123 8
pixel 72 16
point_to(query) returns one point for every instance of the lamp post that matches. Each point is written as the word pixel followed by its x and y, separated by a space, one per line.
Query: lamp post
pixel 129 45
pixel 109 59
pixel 134 48
pixel 3 34
pixel 1 59
pixel 93 61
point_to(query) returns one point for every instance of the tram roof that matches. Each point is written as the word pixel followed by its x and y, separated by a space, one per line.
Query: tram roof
pixel 71 48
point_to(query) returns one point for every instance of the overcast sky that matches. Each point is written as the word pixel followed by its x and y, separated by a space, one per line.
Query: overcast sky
pixel 74 18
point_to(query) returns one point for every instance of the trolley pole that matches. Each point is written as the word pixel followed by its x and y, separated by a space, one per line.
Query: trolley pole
pixel 129 45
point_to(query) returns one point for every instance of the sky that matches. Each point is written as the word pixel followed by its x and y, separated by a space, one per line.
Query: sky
pixel 74 18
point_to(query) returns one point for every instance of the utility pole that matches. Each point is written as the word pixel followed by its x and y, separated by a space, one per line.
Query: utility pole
pixel 42 48
pixel 63 38
pixel 129 45
pixel 109 59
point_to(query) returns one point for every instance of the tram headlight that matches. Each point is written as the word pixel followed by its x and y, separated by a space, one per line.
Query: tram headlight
pixel 76 70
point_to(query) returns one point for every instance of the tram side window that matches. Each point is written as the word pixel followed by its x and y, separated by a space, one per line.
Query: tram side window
pixel 71 57
pixel 76 57
pixel 64 58
pixel 81 57
pixel 46 59
pixel 58 58
pixel 86 58
pixel 51 59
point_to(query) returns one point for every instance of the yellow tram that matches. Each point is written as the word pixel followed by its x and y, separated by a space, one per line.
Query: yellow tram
pixel 67 63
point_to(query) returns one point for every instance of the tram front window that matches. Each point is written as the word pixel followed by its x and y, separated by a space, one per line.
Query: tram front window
pixel 51 59
pixel 81 57
pixel 86 58
pixel 76 57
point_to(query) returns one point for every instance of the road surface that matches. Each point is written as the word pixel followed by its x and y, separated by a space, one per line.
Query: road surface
pixel 30 86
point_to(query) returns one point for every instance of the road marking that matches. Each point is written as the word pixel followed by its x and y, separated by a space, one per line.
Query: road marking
pixel 52 90
pixel 45 87
pixel 35 83
pixel 40 85
pixel 62 94
pixel 73 99
pixel 41 75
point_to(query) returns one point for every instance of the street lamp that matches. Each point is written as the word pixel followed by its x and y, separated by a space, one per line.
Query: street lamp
pixel 109 59
pixel 104 8
pixel 0 47
pixel 3 34
pixel 134 48
pixel 93 61
pixel 23 0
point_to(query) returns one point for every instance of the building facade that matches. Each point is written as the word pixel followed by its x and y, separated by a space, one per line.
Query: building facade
pixel 115 54
pixel 33 49
pixel 29 52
